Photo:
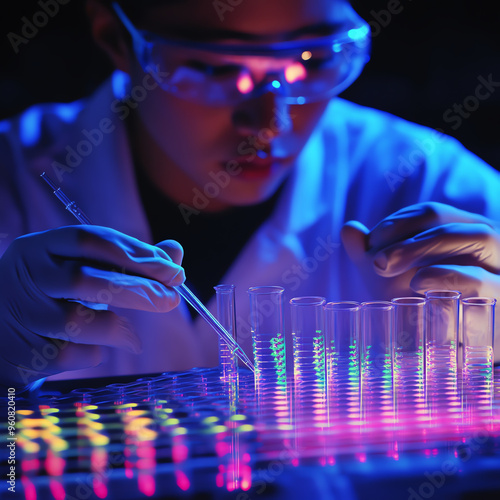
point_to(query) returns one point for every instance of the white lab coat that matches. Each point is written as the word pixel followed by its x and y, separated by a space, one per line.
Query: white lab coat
pixel 359 164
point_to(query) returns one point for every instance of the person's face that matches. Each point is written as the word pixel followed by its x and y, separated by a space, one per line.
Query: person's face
pixel 187 148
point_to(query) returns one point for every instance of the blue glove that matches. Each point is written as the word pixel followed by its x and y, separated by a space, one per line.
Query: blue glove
pixel 45 276
pixel 429 246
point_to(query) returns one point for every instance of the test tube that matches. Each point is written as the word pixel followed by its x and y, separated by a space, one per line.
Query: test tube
pixel 342 323
pixel 268 339
pixel 441 346
pixel 376 358
pixel 307 322
pixel 408 352
pixel 226 315
pixel 478 319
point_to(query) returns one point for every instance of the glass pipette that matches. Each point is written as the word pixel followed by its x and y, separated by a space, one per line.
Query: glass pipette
pixel 183 290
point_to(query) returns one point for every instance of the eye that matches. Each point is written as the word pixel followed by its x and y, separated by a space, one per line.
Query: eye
pixel 215 70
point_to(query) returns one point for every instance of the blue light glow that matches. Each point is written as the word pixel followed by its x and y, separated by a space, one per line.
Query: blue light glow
pixel 358 33
pixel 29 129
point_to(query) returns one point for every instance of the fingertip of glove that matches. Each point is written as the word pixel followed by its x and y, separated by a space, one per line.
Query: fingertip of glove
pixel 354 236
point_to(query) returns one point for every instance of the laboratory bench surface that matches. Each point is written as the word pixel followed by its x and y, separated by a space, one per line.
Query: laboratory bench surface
pixel 195 435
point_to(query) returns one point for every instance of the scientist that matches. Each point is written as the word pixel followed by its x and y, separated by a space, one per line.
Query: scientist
pixel 221 129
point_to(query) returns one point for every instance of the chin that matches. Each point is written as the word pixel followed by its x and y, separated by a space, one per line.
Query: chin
pixel 251 195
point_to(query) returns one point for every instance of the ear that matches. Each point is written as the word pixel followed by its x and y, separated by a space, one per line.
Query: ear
pixel 109 34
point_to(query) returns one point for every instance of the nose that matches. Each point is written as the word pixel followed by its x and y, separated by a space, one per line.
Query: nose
pixel 265 117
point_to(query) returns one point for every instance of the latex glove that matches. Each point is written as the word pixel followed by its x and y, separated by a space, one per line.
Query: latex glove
pixel 430 245
pixel 44 330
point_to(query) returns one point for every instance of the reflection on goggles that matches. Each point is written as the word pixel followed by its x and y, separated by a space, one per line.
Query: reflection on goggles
pixel 223 74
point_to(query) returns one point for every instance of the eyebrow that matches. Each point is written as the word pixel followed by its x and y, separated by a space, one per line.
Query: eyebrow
pixel 212 35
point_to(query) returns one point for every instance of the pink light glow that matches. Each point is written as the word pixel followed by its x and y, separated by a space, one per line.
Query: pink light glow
pixel 182 480
pixel 231 485
pixel 54 464
pixel 128 469
pixel 144 452
pixel 33 464
pixel 179 453
pixel 219 479
pixel 29 488
pixel 245 84
pixel 222 448
pixel 100 488
pixel 98 459
pixel 246 477
pixel 57 490
pixel 295 72
pixel 147 484
pixel 146 463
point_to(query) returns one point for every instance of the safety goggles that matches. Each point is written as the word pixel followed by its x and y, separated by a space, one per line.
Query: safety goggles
pixel 219 74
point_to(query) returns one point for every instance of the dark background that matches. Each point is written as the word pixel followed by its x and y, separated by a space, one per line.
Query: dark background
pixel 425 58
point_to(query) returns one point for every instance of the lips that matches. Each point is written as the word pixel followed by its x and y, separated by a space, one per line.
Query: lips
pixel 254 167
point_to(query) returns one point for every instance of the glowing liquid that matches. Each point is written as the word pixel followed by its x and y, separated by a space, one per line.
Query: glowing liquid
pixel 478 368
pixel 376 381
pixel 343 381
pixel 228 363
pixel 409 377
pixel 441 363
pixel 270 370
pixel 441 375
pixel 309 372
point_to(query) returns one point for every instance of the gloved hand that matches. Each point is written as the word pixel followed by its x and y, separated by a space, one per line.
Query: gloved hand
pixel 428 246
pixel 43 327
